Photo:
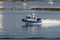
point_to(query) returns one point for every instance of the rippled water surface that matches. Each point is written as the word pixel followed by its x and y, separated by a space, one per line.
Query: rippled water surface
pixel 11 26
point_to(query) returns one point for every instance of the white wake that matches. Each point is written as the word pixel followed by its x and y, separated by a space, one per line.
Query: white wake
pixel 49 23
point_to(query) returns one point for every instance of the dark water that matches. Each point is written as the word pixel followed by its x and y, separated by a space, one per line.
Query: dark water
pixel 12 28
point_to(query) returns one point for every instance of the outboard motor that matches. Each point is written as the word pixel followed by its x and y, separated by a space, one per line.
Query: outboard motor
pixel 39 19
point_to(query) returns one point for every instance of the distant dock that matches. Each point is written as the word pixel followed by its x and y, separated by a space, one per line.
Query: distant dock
pixel 48 8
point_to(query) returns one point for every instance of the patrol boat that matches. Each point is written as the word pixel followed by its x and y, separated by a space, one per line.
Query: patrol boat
pixel 30 19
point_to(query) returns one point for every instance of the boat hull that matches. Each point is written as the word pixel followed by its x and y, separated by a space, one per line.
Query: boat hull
pixel 31 21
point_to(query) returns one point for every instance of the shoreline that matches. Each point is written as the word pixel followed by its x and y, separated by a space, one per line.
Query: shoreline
pixel 53 8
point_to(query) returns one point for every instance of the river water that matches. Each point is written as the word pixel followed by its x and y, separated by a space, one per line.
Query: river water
pixel 12 28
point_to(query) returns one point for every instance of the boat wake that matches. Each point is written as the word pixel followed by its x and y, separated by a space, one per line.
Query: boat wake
pixel 48 22
pixel 51 21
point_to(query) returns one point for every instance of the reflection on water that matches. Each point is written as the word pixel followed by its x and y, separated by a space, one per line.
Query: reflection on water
pixel 32 28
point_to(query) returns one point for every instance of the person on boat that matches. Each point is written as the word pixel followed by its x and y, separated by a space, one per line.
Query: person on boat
pixel 28 17
pixel 33 16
